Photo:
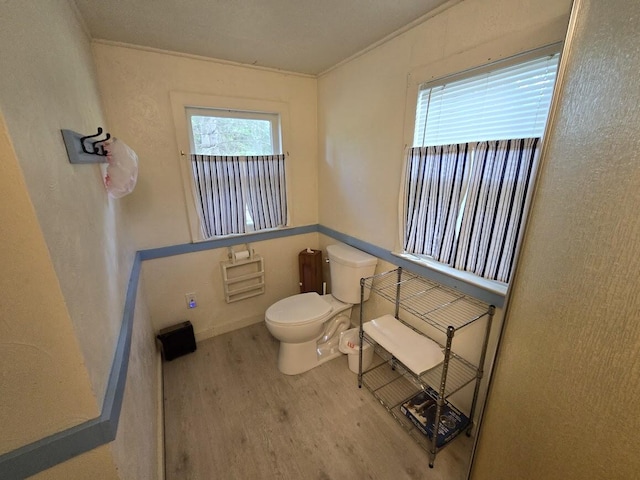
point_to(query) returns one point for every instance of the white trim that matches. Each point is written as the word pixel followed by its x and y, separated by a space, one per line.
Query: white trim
pixel 433 75
pixel 468 277
pixel 160 417
pixel 199 57
pixel 227 327
pixel 272 117
pixel 548 50
pixel 179 102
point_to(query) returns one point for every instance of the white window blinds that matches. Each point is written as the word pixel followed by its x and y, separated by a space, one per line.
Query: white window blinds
pixel 508 102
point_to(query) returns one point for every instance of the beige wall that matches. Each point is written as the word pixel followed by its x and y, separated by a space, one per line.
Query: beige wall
pixel 361 104
pixel 66 255
pixel 136 87
pixel 44 378
pixel 362 116
pixel 48 83
pixel 567 380
pixel 200 273
pixel 138 448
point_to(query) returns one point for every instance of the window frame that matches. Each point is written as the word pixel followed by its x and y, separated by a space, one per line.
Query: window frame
pixel 429 76
pixel 426 76
pixel 272 117
pixel 180 101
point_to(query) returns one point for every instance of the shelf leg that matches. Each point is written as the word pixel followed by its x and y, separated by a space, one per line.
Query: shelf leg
pixel 480 371
pixel 398 283
pixel 360 331
pixel 440 402
pixel 469 428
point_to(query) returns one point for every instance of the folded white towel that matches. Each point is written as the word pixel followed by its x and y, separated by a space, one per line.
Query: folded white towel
pixel 417 352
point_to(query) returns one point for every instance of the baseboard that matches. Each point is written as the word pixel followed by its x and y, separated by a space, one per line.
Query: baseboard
pixel 160 417
pixel 228 327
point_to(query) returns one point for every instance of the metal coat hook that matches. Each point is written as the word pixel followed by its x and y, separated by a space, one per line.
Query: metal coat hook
pixel 81 150
pixel 96 147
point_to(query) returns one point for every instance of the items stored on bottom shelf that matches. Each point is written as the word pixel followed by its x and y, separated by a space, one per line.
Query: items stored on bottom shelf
pixel 418 374
pixel 421 410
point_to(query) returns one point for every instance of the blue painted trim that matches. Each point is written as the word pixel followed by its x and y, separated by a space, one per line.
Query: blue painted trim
pixel 444 279
pixel 172 250
pixel 49 451
pixel 59 447
pixel 114 395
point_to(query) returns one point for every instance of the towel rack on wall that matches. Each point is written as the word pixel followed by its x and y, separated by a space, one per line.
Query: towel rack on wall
pixel 85 148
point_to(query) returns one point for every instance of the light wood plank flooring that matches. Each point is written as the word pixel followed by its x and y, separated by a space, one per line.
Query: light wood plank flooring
pixel 230 414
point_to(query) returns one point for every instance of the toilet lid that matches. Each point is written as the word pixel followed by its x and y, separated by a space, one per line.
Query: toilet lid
pixel 298 309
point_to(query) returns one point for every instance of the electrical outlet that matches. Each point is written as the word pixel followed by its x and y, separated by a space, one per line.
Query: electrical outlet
pixel 191 300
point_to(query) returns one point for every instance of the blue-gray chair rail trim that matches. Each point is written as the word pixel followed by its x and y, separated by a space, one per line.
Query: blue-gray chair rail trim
pixel 59 447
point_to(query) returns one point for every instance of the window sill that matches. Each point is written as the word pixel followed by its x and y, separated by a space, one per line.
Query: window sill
pixel 248 235
pixel 492 286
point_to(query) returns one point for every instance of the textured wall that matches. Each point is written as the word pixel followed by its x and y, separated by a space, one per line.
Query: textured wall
pixel 567 382
pixel 135 450
pixel 361 116
pixel 136 87
pixel 65 253
pixel 168 279
pixel 44 384
pixel 361 104
pixel 47 84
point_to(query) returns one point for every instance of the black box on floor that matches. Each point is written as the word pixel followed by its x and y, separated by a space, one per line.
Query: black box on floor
pixel 177 340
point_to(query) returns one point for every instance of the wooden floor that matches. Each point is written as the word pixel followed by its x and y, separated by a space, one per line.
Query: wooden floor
pixel 230 414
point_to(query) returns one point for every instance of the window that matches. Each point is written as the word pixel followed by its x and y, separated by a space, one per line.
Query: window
pixel 232 132
pixel 468 175
pixel 237 169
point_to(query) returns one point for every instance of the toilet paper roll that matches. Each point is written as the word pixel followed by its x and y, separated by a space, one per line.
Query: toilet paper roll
pixel 241 255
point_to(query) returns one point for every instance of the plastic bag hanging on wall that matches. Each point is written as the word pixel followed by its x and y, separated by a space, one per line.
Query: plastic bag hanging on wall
pixel 122 168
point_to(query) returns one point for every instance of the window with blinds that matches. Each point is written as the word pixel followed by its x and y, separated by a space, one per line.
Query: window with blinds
pixel 503 103
pixel 469 173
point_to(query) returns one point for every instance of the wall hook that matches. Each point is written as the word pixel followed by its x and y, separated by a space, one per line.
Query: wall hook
pixel 79 152
pixel 96 147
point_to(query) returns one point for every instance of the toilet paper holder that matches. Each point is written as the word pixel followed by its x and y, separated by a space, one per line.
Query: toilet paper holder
pixel 246 254
pixel 242 274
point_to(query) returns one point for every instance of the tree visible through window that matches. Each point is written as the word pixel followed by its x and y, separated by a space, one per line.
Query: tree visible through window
pixel 238 170
pixel 232 133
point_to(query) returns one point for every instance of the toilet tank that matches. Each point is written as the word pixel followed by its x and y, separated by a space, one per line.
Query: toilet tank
pixel 347 266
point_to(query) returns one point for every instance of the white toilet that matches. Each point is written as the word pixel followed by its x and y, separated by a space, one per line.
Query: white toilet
pixel 308 325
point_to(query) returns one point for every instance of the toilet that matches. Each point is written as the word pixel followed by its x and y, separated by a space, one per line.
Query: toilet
pixel 308 325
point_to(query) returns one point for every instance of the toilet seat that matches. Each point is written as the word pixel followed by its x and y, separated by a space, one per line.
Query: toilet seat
pixel 298 309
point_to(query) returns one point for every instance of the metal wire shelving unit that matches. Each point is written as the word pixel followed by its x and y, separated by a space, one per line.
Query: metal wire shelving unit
pixel 447 311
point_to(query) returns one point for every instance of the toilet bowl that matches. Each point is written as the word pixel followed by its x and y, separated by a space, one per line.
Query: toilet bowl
pixel 308 325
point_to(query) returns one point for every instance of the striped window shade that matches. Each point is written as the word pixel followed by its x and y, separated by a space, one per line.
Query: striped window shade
pixel 502 103
pixel 238 194
pixel 467 210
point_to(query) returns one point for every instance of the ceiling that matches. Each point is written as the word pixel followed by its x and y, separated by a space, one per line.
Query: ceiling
pixel 304 36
